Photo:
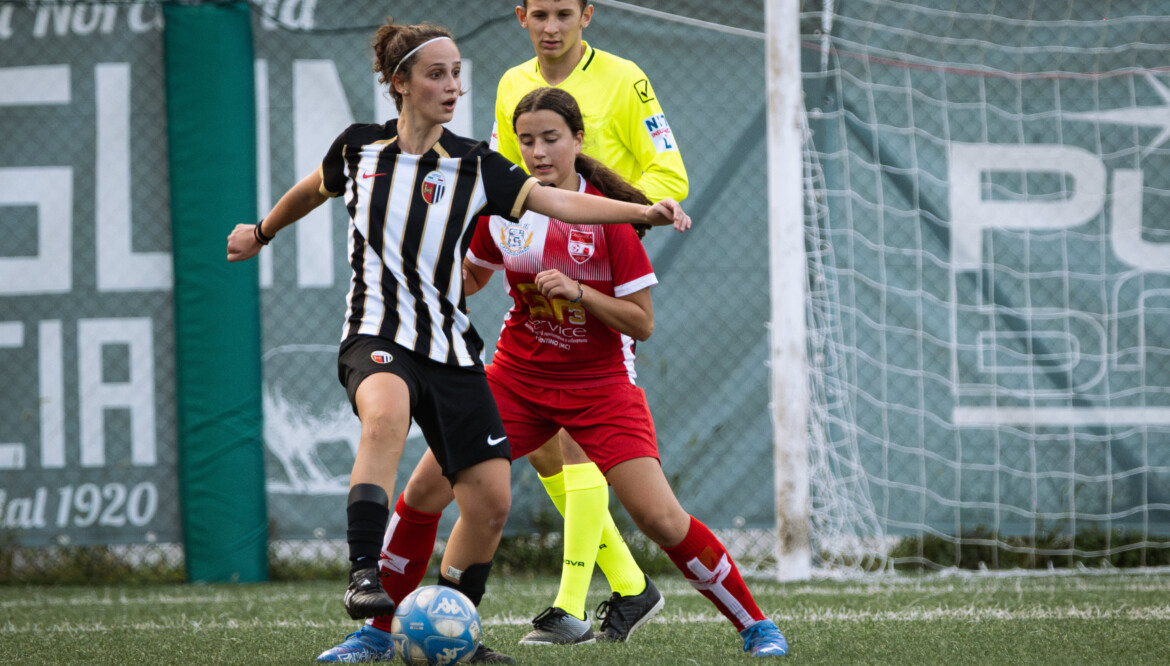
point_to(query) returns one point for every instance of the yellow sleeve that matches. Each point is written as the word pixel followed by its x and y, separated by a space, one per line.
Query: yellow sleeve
pixel 650 140
pixel 506 142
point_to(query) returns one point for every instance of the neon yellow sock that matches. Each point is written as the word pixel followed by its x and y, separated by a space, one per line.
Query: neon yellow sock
pixel 585 500
pixel 555 487
pixel 613 555
pixel 616 561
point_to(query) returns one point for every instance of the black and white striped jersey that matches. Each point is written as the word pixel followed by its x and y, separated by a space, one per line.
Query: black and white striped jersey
pixel 411 220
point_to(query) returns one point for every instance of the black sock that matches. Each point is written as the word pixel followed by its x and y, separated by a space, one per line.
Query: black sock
pixel 367 512
pixel 472 582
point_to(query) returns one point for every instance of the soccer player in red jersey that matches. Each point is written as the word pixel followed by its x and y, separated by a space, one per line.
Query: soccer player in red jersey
pixel 627 132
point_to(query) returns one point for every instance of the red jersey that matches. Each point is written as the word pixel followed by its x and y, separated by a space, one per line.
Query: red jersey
pixel 555 343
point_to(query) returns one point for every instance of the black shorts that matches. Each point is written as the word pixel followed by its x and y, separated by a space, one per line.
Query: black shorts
pixel 452 405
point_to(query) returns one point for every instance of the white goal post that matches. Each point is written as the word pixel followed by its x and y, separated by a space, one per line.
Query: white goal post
pixel 788 275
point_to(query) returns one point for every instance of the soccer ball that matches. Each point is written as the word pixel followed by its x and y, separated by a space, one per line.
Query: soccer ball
pixel 435 625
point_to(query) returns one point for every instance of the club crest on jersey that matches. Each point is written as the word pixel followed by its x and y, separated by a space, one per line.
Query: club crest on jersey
pixel 381 357
pixel 433 187
pixel 515 239
pixel 580 245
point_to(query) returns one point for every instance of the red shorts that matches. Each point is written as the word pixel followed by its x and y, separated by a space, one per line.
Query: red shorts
pixel 612 423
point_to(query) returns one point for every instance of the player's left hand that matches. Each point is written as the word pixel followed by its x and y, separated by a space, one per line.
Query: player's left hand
pixel 242 243
pixel 668 211
pixel 555 284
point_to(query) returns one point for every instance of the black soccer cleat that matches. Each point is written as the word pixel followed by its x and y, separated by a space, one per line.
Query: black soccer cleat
pixel 556 627
pixel 620 616
pixel 365 598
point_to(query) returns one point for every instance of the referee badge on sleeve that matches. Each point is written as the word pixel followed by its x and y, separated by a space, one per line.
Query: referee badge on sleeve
pixel 433 187
pixel 659 131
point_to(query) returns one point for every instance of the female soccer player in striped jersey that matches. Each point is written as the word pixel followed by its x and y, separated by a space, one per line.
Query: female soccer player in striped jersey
pixel 564 360
pixel 413 191
pixel 626 130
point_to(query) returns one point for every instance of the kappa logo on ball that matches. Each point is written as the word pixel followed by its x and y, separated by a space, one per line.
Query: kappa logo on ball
pixel 381 357
pixel 435 625
pixel 450 607
pixel 433 187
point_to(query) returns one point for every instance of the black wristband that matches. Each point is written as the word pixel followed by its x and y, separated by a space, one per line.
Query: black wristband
pixel 259 234
pixel 580 293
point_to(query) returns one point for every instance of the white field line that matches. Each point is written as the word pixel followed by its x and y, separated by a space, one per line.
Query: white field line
pixel 916 615
pixel 179 623
pixel 37 601
pixel 886 585
pixel 967 587
pixel 668 585
pixel 971 613
pixel 674 584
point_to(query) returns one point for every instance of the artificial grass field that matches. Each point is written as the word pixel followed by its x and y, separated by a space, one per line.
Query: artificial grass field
pixel 1082 618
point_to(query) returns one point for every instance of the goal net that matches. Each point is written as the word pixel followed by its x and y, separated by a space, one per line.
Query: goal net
pixel 988 224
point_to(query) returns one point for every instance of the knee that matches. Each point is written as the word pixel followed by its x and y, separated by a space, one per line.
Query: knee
pixel 423 485
pixel 489 510
pixel 497 511
pixel 547 459
pixel 382 425
pixel 427 492
pixel 664 527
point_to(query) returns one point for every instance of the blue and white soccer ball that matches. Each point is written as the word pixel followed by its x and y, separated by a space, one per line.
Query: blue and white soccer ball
pixel 435 625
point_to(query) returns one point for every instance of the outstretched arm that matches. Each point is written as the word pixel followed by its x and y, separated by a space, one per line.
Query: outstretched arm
pixel 577 208
pixel 296 203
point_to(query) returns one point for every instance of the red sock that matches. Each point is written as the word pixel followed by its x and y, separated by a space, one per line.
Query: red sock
pixel 708 567
pixel 406 552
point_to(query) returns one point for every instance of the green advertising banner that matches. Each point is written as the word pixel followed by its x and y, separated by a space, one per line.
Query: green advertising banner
pixel 987 254
pixel 211 132
pixel 87 413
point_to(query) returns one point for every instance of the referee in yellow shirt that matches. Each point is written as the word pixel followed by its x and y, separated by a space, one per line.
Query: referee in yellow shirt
pixel 626 130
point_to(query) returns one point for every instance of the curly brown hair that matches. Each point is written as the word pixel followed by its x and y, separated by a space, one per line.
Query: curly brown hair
pixel 393 41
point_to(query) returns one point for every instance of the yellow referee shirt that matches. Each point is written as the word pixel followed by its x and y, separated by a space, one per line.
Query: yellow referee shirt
pixel 625 128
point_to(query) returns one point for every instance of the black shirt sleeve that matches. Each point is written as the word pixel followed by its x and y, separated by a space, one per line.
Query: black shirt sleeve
pixel 505 184
pixel 333 177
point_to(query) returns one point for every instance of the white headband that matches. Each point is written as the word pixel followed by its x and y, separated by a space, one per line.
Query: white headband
pixel 412 52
